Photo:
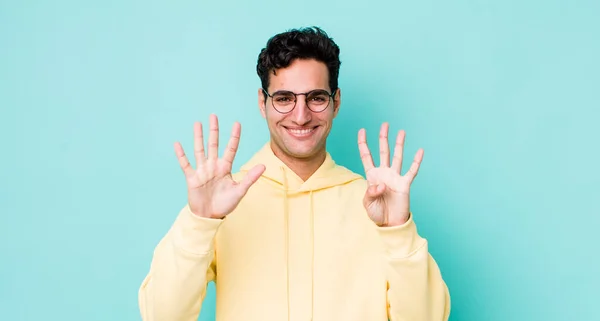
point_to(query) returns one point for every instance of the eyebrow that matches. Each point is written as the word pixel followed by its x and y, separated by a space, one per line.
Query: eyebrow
pixel 289 91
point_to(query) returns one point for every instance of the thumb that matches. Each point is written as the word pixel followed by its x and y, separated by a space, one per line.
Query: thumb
pixel 251 178
pixel 374 191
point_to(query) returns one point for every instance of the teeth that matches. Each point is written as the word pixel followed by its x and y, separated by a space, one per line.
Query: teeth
pixel 300 131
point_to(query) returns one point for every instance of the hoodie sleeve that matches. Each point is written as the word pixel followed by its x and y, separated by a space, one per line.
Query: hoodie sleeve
pixel 182 265
pixel 416 290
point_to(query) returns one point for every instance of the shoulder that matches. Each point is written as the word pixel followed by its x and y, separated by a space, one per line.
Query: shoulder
pixel 354 179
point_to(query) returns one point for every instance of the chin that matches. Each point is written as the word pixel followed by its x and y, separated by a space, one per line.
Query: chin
pixel 301 154
pixel 306 151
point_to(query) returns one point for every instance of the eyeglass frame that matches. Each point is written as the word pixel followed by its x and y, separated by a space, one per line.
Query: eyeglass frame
pixel 331 96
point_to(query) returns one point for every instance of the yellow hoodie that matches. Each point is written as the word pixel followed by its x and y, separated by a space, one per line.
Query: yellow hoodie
pixel 295 250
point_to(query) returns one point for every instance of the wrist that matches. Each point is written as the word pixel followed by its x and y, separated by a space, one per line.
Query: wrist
pixel 194 234
pixel 202 214
pixel 401 241
pixel 397 221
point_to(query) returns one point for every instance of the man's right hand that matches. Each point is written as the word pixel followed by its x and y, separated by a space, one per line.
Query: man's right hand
pixel 212 192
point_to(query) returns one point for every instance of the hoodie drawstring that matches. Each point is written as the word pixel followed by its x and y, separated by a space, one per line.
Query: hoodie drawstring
pixel 286 228
pixel 312 263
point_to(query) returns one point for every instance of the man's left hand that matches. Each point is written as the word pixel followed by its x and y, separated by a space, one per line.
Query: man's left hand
pixel 387 199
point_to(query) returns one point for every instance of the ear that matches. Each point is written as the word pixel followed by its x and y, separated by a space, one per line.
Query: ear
pixel 337 102
pixel 261 102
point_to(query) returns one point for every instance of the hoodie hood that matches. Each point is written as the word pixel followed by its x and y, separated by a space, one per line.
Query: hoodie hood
pixel 329 174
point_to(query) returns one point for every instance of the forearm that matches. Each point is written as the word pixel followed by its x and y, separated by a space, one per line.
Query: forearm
pixel 416 290
pixel 181 267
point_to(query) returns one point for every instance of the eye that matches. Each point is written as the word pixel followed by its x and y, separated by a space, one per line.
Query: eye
pixel 283 98
pixel 318 97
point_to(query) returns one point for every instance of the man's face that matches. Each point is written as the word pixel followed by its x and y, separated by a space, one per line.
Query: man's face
pixel 300 133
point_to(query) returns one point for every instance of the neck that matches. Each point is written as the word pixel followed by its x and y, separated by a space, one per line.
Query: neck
pixel 303 167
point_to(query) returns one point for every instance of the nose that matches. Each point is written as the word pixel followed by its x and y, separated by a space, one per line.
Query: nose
pixel 301 115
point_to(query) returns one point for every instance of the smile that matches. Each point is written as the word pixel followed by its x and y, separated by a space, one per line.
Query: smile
pixel 301 132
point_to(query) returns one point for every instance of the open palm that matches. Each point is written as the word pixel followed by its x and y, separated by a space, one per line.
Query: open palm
pixel 387 199
pixel 212 191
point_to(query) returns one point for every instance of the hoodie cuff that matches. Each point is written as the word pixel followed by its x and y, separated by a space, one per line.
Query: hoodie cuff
pixel 401 241
pixel 195 234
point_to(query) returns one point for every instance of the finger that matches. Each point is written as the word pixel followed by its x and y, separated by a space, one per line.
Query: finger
pixel 398 151
pixel 384 148
pixel 251 178
pixel 414 167
pixel 375 191
pixel 183 161
pixel 213 138
pixel 233 144
pixel 199 145
pixel 379 190
pixel 365 153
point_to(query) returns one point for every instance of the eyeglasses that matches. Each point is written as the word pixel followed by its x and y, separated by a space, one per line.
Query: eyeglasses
pixel 285 101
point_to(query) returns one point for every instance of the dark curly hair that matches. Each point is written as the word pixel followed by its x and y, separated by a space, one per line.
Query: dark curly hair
pixel 304 43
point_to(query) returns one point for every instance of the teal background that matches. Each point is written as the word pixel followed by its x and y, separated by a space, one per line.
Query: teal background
pixel 503 96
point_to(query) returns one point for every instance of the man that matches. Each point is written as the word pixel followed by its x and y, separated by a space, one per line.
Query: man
pixel 293 235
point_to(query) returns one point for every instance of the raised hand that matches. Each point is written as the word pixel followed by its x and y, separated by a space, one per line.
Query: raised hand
pixel 387 199
pixel 212 192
